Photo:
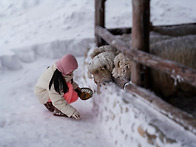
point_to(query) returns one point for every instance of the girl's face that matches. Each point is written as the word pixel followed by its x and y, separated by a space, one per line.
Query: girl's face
pixel 70 73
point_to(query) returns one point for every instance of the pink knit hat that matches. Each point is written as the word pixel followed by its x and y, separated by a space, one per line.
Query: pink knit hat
pixel 67 64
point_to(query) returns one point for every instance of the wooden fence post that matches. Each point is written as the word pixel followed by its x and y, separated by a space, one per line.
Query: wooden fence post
pixel 99 19
pixel 140 39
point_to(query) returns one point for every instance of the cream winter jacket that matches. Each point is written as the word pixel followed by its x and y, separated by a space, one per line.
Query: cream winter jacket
pixel 43 93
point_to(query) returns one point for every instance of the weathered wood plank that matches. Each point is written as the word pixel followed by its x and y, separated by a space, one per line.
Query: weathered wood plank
pixel 127 30
pixel 99 19
pixel 120 31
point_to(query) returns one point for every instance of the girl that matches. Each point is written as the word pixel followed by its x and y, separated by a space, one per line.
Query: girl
pixel 56 88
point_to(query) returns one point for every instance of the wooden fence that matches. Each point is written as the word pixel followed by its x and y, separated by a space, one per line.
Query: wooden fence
pixel 140 56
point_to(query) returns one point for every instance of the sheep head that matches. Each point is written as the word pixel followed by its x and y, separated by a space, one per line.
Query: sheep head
pixel 122 67
pixel 102 64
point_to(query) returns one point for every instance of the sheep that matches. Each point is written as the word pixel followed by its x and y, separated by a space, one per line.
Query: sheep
pixel 107 63
pixel 122 67
pixel 178 49
pixel 102 64
pixel 181 50
pixel 122 64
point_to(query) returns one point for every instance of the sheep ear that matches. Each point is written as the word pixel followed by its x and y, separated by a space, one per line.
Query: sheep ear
pixel 118 63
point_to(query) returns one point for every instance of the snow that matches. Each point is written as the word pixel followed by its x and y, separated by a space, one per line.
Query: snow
pixel 34 34
pixel 24 122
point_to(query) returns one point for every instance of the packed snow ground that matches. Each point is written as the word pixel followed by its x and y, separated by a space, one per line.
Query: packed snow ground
pixel 34 34
pixel 24 122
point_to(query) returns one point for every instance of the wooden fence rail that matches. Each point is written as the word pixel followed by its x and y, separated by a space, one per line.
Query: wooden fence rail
pixel 127 30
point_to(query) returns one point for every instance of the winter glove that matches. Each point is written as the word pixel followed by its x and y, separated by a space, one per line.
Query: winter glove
pixel 76 115
pixel 49 106
pixel 58 113
pixel 78 90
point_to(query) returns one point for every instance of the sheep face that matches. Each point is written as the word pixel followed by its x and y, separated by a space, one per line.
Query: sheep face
pixel 122 67
pixel 102 64
pixel 102 76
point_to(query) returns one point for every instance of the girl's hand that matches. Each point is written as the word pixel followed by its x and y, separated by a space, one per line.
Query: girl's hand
pixel 78 90
pixel 76 115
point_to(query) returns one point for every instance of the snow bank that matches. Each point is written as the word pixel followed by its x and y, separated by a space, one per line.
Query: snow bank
pixel 55 49
pixel 37 22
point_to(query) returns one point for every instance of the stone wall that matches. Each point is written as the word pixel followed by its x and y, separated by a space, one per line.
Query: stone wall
pixel 125 122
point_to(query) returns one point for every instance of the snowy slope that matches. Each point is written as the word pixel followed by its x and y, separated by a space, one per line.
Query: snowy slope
pixel 34 34
pixel 24 23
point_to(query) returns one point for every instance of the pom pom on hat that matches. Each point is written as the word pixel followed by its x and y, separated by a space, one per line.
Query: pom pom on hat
pixel 67 64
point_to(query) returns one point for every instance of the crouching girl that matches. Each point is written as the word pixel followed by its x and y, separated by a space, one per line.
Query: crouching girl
pixel 56 88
